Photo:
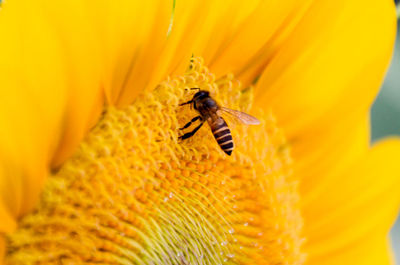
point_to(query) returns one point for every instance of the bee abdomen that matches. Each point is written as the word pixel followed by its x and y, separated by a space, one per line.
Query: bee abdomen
pixel 223 136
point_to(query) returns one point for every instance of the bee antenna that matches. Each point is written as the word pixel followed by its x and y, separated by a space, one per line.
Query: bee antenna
pixel 194 88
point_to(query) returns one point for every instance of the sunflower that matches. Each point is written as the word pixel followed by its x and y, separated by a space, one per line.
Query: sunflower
pixel 91 166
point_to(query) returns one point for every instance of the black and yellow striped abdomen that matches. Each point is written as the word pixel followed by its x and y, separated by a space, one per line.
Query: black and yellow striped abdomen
pixel 223 135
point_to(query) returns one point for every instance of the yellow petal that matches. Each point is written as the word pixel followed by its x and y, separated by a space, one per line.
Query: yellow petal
pixel 77 35
pixel 50 89
pixel 363 201
pixel 245 47
pixel 148 40
pixel 2 248
pixel 133 35
pixel 329 154
pixel 215 30
pixel 8 223
pixel 220 24
pixel 370 250
pixel 33 98
pixel 331 64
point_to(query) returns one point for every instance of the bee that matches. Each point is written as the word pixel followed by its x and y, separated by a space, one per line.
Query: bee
pixel 209 111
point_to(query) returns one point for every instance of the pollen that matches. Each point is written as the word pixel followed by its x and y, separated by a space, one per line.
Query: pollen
pixel 133 193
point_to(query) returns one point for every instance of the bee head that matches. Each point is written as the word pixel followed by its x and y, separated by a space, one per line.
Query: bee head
pixel 201 95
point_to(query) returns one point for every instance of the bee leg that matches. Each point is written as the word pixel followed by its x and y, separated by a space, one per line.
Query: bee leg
pixel 190 134
pixel 190 122
pixel 184 103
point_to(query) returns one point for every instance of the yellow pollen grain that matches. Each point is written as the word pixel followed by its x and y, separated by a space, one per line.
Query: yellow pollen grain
pixel 134 194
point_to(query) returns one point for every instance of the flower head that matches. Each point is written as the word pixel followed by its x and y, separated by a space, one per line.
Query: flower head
pixel 112 184
pixel 132 192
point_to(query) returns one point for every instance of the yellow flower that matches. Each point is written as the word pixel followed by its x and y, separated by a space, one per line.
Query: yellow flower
pixel 91 169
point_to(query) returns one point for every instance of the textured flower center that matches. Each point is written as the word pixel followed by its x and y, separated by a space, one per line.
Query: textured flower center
pixel 134 194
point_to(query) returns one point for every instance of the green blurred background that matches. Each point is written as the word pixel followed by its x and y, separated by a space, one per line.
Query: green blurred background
pixel 385 118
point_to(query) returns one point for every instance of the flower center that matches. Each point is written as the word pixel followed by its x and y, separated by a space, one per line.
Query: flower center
pixel 135 194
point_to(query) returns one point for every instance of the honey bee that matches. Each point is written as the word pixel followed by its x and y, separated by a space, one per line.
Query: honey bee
pixel 210 111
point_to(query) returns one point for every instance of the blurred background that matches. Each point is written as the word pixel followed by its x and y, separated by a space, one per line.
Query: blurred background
pixel 385 117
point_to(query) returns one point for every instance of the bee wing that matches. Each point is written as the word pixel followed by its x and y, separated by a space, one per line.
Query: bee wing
pixel 241 116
